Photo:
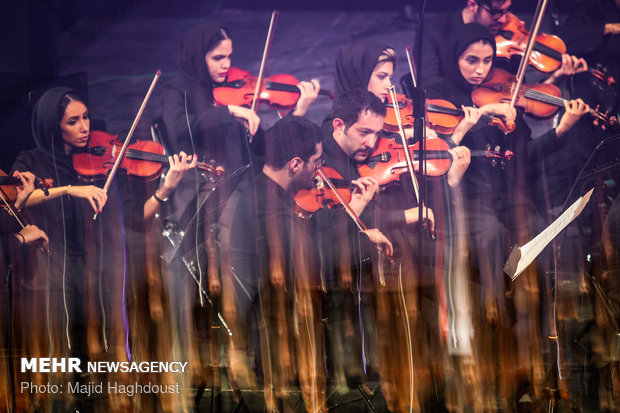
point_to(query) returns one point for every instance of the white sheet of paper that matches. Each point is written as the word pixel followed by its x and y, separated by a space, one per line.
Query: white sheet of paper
pixel 532 249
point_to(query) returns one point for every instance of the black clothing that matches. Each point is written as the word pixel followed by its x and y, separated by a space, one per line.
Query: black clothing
pixel 435 55
pixel 83 252
pixel 187 101
pixel 355 64
pixel 213 132
pixel 584 31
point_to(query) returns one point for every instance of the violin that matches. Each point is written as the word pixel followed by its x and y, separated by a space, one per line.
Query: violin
pixel 8 185
pixel 548 49
pixel 539 100
pixel 319 194
pixel 387 162
pixel 278 91
pixel 143 159
pixel 441 116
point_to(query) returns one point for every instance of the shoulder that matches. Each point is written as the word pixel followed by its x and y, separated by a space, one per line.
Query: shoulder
pixel 28 160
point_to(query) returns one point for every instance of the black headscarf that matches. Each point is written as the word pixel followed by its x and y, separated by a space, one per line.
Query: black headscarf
pixel 455 88
pixel 191 60
pixel 46 129
pixel 355 64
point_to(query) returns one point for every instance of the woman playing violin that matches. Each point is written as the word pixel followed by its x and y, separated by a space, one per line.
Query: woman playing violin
pixel 83 252
pixel 190 116
pixel 495 197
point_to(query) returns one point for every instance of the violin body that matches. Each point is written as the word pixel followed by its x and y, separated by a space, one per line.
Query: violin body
pixel 498 88
pixel 512 41
pixel 320 195
pixel 97 159
pixel 405 107
pixel 442 116
pixel 387 162
pixel 278 91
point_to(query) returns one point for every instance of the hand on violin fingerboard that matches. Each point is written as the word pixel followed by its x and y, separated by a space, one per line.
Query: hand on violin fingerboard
pixel 179 165
pixel 571 65
pixel 470 118
pixel 23 191
pixel 575 109
pixel 504 110
pixel 308 92
pixel 461 157
pixel 612 28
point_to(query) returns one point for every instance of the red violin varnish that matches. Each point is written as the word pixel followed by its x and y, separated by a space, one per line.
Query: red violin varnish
pixel 320 195
pixel 512 39
pixel 539 100
pixel 8 185
pixel 387 162
pixel 143 159
pixel 278 91
pixel 441 116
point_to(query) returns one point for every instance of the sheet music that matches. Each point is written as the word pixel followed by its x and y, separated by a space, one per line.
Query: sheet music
pixel 532 249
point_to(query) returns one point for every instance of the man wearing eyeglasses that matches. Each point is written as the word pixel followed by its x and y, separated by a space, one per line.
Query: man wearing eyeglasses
pixel 492 14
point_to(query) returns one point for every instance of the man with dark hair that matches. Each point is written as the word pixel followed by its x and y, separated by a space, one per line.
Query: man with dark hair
pixel 271 267
pixel 357 124
pixel 492 14
pixel 258 232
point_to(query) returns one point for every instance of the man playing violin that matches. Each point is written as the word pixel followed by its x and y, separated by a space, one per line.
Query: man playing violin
pixel 357 123
pixel 268 254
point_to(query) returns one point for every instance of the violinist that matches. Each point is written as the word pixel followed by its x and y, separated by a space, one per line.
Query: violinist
pixel 371 66
pixel 358 117
pixel 492 14
pixel 14 246
pixel 495 194
pixel 191 119
pixel 269 256
pixel 74 276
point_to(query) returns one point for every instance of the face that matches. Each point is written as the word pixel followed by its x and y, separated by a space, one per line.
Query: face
pixel 381 80
pixel 494 17
pixel 359 139
pixel 75 125
pixel 306 174
pixel 218 61
pixel 475 62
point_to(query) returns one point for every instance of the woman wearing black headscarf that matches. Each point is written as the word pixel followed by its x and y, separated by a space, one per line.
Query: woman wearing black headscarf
pixel 496 192
pixel 496 200
pixel 193 122
pixel 76 286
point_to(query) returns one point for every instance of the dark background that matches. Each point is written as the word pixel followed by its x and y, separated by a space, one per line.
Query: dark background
pixel 31 33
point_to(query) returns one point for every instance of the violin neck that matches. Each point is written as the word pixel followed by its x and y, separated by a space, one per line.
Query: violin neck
pixel 556 101
pixel 155 157
pixel 285 87
pixel 10 180
pixel 452 111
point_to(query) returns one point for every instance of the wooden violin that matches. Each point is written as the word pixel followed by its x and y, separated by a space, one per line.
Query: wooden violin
pixel 143 159
pixel 387 162
pixel 441 116
pixel 278 91
pixel 8 185
pixel 539 100
pixel 320 194
pixel 548 49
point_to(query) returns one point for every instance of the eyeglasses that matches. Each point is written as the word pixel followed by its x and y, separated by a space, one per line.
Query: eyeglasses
pixel 495 13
